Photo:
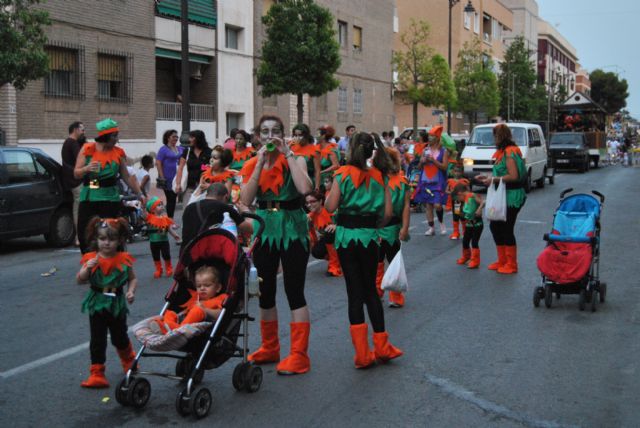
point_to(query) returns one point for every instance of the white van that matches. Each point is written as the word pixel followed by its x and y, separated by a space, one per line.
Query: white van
pixel 477 154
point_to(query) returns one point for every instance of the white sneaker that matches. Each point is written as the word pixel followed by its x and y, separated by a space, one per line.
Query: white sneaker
pixel 429 232
pixel 443 229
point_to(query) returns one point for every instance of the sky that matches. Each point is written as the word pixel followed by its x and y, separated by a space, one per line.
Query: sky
pixel 605 35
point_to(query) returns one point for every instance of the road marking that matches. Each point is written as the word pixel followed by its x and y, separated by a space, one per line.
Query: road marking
pixel 532 222
pixel 488 406
pixel 70 351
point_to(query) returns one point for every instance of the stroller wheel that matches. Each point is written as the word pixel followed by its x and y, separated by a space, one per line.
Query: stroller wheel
pixel 183 403
pixel 582 301
pixel 139 392
pixel 122 392
pixel 201 401
pixel 548 296
pixel 536 296
pixel 253 378
pixel 238 378
pixel 603 291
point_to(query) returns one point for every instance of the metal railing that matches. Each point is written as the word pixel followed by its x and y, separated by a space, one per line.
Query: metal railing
pixel 173 111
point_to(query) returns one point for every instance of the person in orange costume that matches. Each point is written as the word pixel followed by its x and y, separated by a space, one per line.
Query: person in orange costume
pixel 322 222
pixel 209 301
pixel 302 145
pixel 456 206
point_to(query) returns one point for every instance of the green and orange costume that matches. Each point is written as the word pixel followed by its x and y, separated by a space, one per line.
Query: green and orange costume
pixel 309 152
pixel 158 230
pixel 455 207
pixel 240 158
pixel 325 159
pixel 319 221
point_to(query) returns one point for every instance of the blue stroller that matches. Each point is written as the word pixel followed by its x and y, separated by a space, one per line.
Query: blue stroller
pixel 570 263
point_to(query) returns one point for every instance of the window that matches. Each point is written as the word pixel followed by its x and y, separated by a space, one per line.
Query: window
pixel 357 101
pixel 467 19
pixel 20 167
pixel 357 39
pixel 342 99
pixel 66 72
pixel 232 37
pixel 476 23
pixel 342 34
pixel 497 30
pixel 115 77
pixel 234 120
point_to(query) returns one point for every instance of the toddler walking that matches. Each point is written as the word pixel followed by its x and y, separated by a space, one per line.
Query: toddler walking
pixel 471 211
pixel 159 226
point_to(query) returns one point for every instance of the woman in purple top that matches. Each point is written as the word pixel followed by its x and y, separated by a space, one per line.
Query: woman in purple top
pixel 167 164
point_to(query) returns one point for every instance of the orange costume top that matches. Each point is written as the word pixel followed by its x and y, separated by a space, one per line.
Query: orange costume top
pixel 221 177
pixel 319 220
pixel 453 182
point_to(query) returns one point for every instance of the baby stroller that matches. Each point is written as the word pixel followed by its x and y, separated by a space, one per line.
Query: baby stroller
pixel 570 263
pixel 413 176
pixel 216 343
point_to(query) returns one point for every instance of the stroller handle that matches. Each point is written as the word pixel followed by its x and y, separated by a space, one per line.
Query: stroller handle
pixel 260 220
pixel 565 191
pixel 598 194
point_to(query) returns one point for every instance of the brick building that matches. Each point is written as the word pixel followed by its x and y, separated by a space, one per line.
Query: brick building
pixel 583 83
pixel 365 32
pixel 490 23
pixel 557 58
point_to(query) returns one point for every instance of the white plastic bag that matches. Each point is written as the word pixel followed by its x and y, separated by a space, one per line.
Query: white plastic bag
pixel 395 278
pixel 185 175
pixel 495 208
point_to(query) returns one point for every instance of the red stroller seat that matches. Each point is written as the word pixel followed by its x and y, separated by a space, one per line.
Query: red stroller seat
pixel 565 262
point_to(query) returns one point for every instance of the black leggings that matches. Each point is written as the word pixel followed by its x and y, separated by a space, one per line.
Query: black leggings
pixel 359 268
pixel 160 247
pixel 502 231
pixel 294 270
pixel 99 323
pixel 472 235
pixel 388 251
pixel 171 202
pixel 87 210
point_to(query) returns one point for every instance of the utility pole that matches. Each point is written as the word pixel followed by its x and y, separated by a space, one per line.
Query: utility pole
pixel 186 112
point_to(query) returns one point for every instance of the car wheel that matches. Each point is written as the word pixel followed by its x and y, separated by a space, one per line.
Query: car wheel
pixel 540 182
pixel 61 229
pixel 528 183
pixel 587 164
pixel 595 162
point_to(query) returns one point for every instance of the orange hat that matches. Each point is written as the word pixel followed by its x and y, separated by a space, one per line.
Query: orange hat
pixel 327 130
pixel 436 131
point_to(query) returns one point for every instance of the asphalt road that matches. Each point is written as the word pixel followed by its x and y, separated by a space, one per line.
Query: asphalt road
pixel 476 351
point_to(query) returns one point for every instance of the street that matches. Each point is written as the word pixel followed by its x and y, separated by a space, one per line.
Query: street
pixel 477 353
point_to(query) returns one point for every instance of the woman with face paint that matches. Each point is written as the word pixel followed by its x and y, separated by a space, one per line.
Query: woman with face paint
pixel 302 145
pixel 360 194
pixel 277 180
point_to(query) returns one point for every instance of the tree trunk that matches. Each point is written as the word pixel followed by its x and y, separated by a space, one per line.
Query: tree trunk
pixel 415 119
pixel 300 106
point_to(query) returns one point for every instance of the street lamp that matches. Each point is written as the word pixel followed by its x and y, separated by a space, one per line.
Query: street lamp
pixel 467 9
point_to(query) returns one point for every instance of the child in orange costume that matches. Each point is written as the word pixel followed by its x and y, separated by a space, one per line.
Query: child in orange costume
pixel 471 211
pixel 321 221
pixel 209 300
pixel 159 226
pixel 455 206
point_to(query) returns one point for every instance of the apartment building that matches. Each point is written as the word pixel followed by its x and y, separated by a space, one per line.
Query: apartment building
pixel 490 23
pixel 583 83
pixel 557 58
pixel 525 24
pixel 364 29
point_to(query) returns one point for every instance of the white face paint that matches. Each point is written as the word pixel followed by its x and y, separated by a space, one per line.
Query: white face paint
pixel 270 129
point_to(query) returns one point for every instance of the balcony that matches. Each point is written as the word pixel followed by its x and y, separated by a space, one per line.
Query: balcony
pixel 173 112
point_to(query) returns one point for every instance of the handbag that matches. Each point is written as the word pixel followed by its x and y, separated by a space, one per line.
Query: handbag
pixel 395 278
pixel 185 175
pixel 495 208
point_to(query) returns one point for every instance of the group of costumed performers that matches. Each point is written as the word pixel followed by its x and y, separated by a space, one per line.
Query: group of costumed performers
pixel 397 229
pixel 277 179
pixel 159 226
pixel 108 270
pixel 360 194
pixel 322 232
pixel 432 185
pixel 100 164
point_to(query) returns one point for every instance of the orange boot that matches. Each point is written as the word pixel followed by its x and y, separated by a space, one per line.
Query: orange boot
pixel 379 275
pixel 126 357
pixel 96 377
pixel 511 265
pixel 158 272
pixel 360 338
pixel 502 258
pixel 298 360
pixel 475 259
pixel 168 268
pixel 334 268
pixel 384 350
pixel 396 299
pixel 466 255
pixel 456 230
pixel 269 351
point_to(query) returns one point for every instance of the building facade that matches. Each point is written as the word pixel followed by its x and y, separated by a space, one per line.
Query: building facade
pixel 557 59
pixel 583 83
pixel 364 29
pixel 490 23
pixel 525 24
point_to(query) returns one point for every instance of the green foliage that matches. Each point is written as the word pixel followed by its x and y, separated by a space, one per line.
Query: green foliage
pixel 476 84
pixel 608 90
pixel 22 54
pixel 517 84
pixel 300 54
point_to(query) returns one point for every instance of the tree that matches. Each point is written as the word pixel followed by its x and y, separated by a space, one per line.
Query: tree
pixel 300 54
pixel 608 90
pixel 423 76
pixel 520 96
pixel 476 84
pixel 22 54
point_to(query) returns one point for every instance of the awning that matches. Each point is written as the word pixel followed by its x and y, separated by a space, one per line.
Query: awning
pixel 200 11
pixel 168 53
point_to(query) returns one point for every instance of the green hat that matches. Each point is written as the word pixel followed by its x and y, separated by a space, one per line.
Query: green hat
pixel 153 203
pixel 107 126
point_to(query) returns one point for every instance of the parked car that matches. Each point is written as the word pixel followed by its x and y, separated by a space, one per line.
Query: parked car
pixel 478 152
pixel 32 200
pixel 569 150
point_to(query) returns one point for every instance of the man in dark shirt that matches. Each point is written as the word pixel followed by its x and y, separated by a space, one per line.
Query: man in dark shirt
pixel 70 149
